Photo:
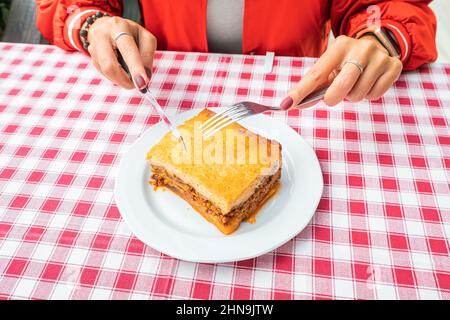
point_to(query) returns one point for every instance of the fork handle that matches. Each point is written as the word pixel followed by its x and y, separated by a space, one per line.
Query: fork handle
pixel 312 98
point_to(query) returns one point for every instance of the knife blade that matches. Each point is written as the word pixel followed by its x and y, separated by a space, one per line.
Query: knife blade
pixel 163 115
pixel 153 102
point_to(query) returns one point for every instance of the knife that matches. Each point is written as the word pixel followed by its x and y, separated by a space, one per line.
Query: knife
pixel 149 97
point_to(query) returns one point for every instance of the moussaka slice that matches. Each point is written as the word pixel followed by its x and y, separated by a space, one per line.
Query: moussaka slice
pixel 226 178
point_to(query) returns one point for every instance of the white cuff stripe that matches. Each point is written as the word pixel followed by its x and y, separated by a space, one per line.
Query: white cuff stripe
pixel 72 25
pixel 404 40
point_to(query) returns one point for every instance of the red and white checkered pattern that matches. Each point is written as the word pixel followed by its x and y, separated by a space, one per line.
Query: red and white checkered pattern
pixel 381 230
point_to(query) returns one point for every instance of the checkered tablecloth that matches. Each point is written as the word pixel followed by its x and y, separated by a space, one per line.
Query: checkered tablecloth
pixel 381 230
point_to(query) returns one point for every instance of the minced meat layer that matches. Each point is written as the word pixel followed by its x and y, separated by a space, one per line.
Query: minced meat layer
pixel 161 177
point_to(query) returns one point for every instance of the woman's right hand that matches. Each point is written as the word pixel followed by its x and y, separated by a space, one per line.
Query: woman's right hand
pixel 137 50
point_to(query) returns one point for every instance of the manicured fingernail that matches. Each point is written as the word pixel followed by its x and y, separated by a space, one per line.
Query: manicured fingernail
pixel 148 71
pixel 139 81
pixel 286 103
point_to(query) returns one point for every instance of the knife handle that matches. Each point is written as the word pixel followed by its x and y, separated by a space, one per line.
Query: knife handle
pixel 124 66
pixel 312 98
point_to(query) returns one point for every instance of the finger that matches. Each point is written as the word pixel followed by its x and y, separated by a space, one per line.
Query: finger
pixel 342 84
pixel 304 104
pixel 105 60
pixel 126 44
pixel 385 81
pixel 366 81
pixel 319 74
pixel 147 47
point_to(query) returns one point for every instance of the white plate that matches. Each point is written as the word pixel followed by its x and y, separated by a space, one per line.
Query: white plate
pixel 168 224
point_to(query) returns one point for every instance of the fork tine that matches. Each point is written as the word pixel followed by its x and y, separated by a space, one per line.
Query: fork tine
pixel 218 116
pixel 206 123
pixel 218 121
pixel 223 125
pixel 224 119
pixel 228 121
pixel 229 113
pixel 223 113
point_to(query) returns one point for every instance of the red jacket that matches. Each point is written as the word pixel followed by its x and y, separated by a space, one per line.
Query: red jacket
pixel 287 27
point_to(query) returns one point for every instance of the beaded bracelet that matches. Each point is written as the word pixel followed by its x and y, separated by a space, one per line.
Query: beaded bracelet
pixel 83 33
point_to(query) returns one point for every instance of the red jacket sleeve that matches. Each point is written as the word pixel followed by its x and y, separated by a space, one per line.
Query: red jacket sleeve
pixel 412 23
pixel 51 16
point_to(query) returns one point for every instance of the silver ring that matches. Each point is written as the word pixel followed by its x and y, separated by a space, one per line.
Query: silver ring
pixel 355 63
pixel 117 36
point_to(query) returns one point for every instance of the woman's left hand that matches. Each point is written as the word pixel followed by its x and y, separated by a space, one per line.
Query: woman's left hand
pixel 341 66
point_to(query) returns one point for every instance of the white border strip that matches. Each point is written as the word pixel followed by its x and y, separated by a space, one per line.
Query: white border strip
pixel 404 40
pixel 72 25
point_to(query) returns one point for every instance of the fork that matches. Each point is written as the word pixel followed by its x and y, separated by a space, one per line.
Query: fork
pixel 241 110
